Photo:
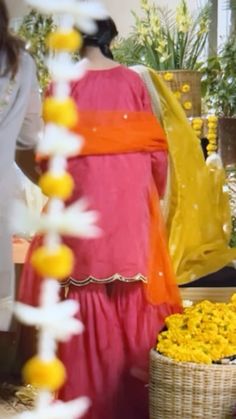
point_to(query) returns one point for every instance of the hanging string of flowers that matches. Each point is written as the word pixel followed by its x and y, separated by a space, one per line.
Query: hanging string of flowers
pixel 53 261
pixel 207 128
pixel 212 134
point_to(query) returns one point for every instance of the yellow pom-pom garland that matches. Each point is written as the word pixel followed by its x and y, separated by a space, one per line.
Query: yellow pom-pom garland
pixel 62 112
pixel 197 125
pixel 70 41
pixel 47 375
pixel 51 263
pixel 212 134
pixel 58 186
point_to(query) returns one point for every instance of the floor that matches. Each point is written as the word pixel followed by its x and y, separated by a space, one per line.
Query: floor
pixel 15 399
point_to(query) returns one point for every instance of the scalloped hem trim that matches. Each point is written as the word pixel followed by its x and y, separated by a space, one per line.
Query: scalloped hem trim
pixel 93 280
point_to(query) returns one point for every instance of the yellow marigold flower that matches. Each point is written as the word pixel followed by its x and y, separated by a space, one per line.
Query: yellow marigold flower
pixel 196 125
pixel 211 136
pixel 59 186
pixel 212 126
pixel 198 121
pixel 168 76
pixel 175 320
pixel 48 375
pixel 233 299
pixel 70 40
pixel 198 132
pixel 200 357
pixel 56 263
pixel 187 105
pixel 185 88
pixel 212 118
pixel 63 112
pixel 211 147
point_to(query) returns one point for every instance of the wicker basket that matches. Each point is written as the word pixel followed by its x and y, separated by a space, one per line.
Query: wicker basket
pixel 190 391
pixel 193 80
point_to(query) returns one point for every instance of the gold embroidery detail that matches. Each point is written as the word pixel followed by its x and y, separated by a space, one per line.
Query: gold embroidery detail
pixel 93 280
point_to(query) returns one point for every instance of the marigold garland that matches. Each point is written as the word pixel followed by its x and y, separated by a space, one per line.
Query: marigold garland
pixel 212 134
pixel 60 111
pixel 48 375
pixel 60 186
pixel 56 320
pixel 53 263
pixel 70 40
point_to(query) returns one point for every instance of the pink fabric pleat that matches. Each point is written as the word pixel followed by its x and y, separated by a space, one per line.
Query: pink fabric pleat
pixel 109 361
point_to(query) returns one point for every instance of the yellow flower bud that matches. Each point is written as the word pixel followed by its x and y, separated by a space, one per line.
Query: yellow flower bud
pixel 62 112
pixel 70 41
pixel 48 375
pixel 60 186
pixel 56 263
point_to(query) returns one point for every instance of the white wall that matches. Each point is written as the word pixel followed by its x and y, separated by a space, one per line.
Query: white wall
pixel 16 7
pixel 120 10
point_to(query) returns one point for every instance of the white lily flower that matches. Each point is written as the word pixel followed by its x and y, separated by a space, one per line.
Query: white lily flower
pixel 83 12
pixel 59 141
pixel 58 410
pixel 74 220
pixel 58 319
pixel 66 69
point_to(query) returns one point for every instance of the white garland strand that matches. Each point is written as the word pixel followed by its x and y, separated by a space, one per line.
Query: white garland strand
pixel 56 320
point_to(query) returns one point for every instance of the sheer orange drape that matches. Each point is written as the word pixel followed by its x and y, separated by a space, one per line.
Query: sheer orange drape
pixel 121 132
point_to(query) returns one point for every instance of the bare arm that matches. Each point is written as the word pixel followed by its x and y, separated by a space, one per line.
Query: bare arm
pixel 25 159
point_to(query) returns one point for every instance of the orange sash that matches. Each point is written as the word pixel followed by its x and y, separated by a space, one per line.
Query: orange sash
pixel 129 132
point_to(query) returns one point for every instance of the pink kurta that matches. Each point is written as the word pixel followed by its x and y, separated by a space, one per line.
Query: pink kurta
pixel 109 361
pixel 117 186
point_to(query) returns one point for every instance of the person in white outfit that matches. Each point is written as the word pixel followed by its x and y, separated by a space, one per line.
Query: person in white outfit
pixel 20 125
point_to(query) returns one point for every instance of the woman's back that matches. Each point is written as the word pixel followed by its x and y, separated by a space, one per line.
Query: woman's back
pixel 117 186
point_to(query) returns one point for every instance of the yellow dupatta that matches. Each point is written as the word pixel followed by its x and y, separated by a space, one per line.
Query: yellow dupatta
pixel 198 221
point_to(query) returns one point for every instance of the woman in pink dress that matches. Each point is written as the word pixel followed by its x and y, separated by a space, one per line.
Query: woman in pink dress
pixel 109 361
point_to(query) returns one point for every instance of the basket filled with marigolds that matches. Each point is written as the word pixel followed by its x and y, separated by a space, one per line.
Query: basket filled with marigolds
pixel 193 367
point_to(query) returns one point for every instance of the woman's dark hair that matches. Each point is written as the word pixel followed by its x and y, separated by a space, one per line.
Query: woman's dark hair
pixel 10 45
pixel 102 38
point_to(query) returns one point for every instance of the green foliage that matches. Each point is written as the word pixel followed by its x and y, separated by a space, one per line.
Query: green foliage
pixel 219 81
pixel 164 39
pixel 34 31
pixel 128 51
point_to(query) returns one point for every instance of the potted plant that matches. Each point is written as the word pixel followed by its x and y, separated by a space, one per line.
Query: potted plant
pixel 170 42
